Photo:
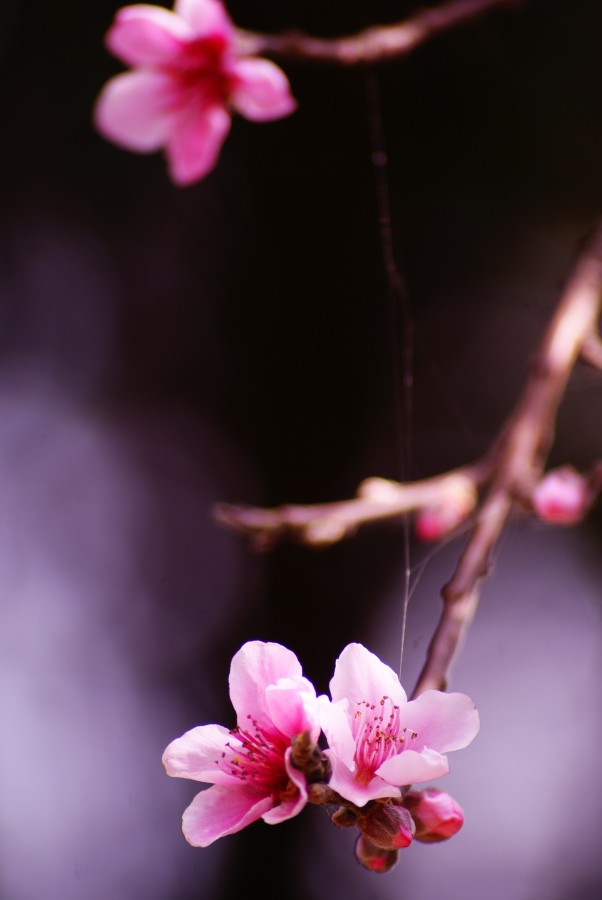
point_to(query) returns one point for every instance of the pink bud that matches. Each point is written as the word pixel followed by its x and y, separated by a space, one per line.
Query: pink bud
pixel 562 496
pixel 436 814
pixel 372 857
pixel 388 827
pixel 455 503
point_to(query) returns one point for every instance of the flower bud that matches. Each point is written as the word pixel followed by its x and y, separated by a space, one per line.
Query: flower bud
pixel 562 496
pixel 343 817
pixel 436 814
pixel 456 502
pixel 388 827
pixel 372 857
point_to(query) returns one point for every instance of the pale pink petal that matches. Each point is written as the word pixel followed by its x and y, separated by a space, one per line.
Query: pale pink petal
pixel 144 35
pixel 344 782
pixel 336 725
pixel 286 809
pixel 195 142
pixel 361 676
pixel 202 754
pixel 134 110
pixel 292 706
pixel 262 91
pixel 441 721
pixel 206 17
pixel 255 667
pixel 219 811
pixel 411 767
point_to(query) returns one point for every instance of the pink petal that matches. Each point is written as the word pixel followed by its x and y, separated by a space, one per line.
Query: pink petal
pixel 199 754
pixel 205 17
pixel 360 675
pixel 134 110
pixel 289 808
pixel 411 767
pixel 194 145
pixel 255 667
pixel 344 782
pixel 263 92
pixel 292 706
pixel 442 721
pixel 219 811
pixel 335 722
pixel 145 35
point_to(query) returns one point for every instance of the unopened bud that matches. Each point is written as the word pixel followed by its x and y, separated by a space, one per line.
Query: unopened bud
pixel 388 827
pixel 457 501
pixel 562 496
pixel 372 857
pixel 436 814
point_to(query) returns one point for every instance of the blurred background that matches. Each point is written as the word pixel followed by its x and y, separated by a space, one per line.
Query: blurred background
pixel 162 349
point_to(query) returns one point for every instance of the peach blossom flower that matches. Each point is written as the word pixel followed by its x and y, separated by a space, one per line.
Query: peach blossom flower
pixel 249 766
pixel 378 740
pixel 187 77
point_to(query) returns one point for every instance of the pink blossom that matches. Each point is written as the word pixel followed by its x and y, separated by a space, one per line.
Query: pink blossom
pixel 562 496
pixel 378 740
pixel 187 76
pixel 437 816
pixel 249 766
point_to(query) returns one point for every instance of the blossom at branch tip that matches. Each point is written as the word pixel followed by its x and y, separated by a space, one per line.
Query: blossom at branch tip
pixel 186 78
pixel 562 497
pixel 380 741
pixel 457 501
pixel 249 766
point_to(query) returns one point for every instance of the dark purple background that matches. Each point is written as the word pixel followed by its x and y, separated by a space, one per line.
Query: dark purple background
pixel 162 349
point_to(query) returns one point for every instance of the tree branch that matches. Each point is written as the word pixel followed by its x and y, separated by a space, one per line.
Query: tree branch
pixel 522 452
pixel 376 44
pixel 511 469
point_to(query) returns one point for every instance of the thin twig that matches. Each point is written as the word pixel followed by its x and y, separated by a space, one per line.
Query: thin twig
pixel 377 499
pixel 376 44
pixel 522 452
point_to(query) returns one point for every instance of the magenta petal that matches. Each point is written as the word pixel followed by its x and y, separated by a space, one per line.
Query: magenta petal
pixel 145 35
pixel 219 811
pixel 205 17
pixel 134 110
pixel 202 754
pixel 442 721
pixel 292 706
pixel 411 767
pixel 262 92
pixel 194 145
pixel 289 808
pixel 361 676
pixel 344 782
pixel 255 667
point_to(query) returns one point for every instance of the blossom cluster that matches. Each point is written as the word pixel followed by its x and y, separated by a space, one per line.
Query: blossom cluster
pixel 270 765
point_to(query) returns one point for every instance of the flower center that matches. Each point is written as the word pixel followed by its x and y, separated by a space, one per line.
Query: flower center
pixel 259 759
pixel 378 736
pixel 201 72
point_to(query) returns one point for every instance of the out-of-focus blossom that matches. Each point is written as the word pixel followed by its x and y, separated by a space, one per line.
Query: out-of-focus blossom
pixel 563 496
pixel 378 740
pixel 186 78
pixel 457 501
pixel 250 766
pixel 436 815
